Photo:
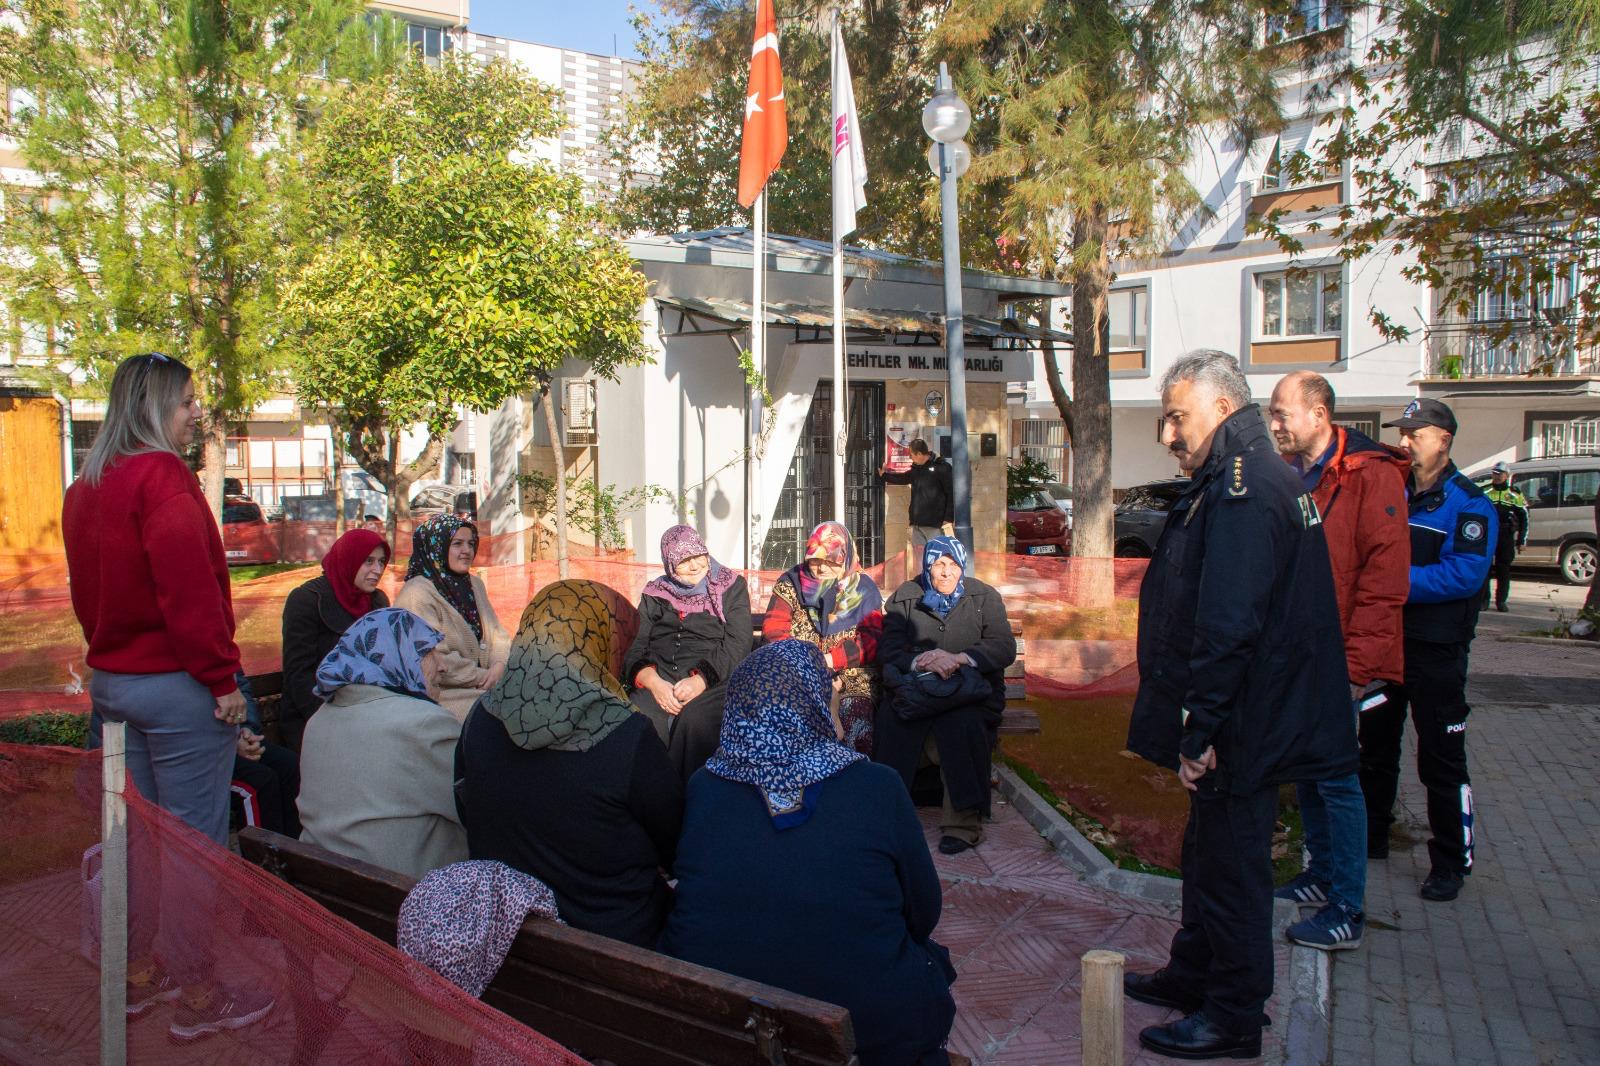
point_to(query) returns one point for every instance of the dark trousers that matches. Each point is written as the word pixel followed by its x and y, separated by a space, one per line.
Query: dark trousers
pixel 693 734
pixel 1223 950
pixel 1435 692
pixel 1505 553
pixel 265 790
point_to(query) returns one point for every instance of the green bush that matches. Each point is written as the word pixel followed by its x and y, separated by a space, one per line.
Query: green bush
pixel 65 728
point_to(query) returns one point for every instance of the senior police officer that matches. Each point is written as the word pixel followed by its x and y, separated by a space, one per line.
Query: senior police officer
pixel 1242 688
pixel 1511 507
pixel 1453 536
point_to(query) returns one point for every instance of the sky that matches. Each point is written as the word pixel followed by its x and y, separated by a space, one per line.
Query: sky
pixel 600 26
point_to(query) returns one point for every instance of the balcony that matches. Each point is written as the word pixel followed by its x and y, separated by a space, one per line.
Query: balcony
pixel 1531 350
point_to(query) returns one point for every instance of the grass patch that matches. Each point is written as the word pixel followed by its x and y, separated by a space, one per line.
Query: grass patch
pixel 1093 831
pixel 240 574
pixel 66 728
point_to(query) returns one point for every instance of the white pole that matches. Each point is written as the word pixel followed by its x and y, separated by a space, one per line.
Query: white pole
pixel 839 385
pixel 758 359
pixel 113 896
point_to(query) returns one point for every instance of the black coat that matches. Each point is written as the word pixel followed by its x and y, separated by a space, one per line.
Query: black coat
pixel 679 645
pixel 1239 626
pixel 313 622
pixel 933 499
pixel 976 625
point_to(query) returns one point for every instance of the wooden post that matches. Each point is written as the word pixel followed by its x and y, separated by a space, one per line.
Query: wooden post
pixel 113 897
pixel 1102 1008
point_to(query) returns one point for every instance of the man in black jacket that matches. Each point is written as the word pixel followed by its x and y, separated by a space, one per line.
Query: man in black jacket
pixel 1243 687
pixel 933 497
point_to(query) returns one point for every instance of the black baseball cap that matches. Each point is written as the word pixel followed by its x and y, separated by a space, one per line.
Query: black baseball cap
pixel 1424 412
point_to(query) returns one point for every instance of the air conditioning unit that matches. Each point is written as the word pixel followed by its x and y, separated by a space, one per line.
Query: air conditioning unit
pixel 578 414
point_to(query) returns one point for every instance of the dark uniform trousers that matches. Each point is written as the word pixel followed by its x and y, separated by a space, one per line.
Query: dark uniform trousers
pixel 1505 553
pixel 1435 691
pixel 1223 950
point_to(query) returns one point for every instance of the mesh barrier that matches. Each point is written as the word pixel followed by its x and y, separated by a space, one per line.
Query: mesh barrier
pixel 214 922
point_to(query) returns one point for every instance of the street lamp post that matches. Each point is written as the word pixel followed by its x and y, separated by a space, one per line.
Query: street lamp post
pixel 946 119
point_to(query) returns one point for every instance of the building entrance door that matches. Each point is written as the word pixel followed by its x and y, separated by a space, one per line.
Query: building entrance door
pixel 807 496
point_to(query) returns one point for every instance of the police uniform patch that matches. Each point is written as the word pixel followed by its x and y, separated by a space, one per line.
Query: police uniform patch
pixel 1238 487
pixel 1472 534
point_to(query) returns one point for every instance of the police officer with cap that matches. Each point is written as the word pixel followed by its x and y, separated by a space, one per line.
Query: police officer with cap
pixel 1453 536
pixel 1512 509
pixel 1243 687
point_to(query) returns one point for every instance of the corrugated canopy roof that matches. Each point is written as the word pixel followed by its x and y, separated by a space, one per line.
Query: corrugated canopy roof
pixel 1009 333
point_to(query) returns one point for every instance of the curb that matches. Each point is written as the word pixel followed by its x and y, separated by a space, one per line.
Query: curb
pixel 1308 1029
pixel 1565 642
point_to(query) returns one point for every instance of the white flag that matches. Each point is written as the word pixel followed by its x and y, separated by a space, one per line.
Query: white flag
pixel 849 161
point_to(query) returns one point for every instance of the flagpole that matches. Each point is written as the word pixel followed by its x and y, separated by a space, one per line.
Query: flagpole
pixel 840 398
pixel 758 359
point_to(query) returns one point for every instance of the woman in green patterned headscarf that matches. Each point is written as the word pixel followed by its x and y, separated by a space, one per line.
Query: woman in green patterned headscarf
pixel 557 776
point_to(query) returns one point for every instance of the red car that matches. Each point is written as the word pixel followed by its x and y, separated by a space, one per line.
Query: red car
pixel 247 537
pixel 1036 526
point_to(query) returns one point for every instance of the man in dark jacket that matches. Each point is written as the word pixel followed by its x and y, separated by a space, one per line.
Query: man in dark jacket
pixel 1359 487
pixel 1453 533
pixel 933 496
pixel 1242 688
pixel 1511 507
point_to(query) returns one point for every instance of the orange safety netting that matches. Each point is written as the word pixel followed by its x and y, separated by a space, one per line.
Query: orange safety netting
pixel 211 919
pixel 1078 617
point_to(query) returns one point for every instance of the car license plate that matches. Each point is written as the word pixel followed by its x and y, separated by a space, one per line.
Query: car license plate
pixel 1042 549
pixel 237 554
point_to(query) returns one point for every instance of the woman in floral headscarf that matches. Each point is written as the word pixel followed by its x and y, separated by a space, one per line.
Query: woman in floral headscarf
pixel 827 600
pixel 694 628
pixel 441 589
pixel 559 778
pixel 785 823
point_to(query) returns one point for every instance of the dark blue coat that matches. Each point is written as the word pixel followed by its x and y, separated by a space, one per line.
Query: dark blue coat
pixel 839 908
pixel 1239 626
pixel 1453 536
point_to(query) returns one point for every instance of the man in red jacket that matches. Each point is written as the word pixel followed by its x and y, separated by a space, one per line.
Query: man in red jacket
pixel 1359 487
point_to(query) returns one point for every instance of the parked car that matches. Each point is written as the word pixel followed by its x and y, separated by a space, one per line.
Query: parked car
pixel 247 537
pixel 1062 495
pixel 1142 514
pixel 437 498
pixel 1561 501
pixel 1036 526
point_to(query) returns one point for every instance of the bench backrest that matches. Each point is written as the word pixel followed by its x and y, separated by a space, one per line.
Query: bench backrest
pixel 598 996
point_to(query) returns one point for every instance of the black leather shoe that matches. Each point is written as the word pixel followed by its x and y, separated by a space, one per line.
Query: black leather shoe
pixel 1441 886
pixel 953 845
pixel 1198 1037
pixel 1159 990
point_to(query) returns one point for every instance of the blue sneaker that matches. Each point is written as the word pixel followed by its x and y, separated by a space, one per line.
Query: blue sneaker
pixel 1330 929
pixel 1304 890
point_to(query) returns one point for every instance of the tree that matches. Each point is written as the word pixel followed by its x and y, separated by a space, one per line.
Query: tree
pixel 443 266
pixel 1089 110
pixel 159 134
pixel 1474 148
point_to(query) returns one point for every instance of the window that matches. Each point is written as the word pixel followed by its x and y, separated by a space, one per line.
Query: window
pixel 1539 489
pixel 1579 487
pixel 1305 17
pixel 1303 303
pixel 431 41
pixel 1128 311
pixel 1365 423
pixel 1572 436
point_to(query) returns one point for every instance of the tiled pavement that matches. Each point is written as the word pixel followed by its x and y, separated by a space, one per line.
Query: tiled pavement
pixel 1017 920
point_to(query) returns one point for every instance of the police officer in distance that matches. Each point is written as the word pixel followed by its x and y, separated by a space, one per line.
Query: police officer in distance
pixel 1511 507
pixel 1453 536
pixel 1243 687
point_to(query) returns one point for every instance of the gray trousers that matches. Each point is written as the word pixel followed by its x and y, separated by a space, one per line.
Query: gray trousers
pixel 920 535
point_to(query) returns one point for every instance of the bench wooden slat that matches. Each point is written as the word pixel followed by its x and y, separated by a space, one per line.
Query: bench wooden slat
pixel 598 995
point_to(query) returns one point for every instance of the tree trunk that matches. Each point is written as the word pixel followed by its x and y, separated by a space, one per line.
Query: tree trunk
pixel 563 565
pixel 376 449
pixel 398 497
pixel 214 459
pixel 1093 531
pixel 336 461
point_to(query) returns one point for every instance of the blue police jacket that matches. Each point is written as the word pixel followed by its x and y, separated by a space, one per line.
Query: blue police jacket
pixel 1239 641
pixel 1453 534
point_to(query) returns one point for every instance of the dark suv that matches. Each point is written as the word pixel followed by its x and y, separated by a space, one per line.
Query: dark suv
pixel 1142 514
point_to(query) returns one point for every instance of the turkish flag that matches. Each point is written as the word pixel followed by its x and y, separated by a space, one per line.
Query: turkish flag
pixel 766 122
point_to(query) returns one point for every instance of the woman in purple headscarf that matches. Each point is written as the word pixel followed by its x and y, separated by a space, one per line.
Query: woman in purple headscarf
pixel 694 628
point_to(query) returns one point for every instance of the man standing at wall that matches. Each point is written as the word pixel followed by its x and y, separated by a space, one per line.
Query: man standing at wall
pixel 933 498
pixel 1242 688
pixel 1511 507
pixel 1452 540
pixel 1359 487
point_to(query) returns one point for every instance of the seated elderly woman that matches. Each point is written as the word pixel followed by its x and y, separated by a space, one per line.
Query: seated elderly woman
pixel 694 628
pixel 946 645
pixel 558 777
pixel 827 600
pixel 377 769
pixel 803 865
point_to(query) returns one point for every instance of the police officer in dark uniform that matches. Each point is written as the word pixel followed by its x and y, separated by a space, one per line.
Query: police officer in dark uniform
pixel 1453 535
pixel 1243 687
pixel 1511 507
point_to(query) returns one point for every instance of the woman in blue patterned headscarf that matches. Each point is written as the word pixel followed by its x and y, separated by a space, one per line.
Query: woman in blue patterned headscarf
pixel 803 865
pixel 942 589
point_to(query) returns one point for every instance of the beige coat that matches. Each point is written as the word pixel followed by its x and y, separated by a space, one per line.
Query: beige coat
pixel 464 655
pixel 377 781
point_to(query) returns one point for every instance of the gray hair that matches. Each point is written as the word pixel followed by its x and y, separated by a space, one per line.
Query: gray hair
pixel 145 391
pixel 1213 369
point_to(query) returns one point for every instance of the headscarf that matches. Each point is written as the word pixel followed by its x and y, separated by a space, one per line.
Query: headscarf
pixel 430 558
pixel 461 919
pixel 937 548
pixel 558 691
pixel 383 648
pixel 342 562
pixel 837 605
pixel 678 544
pixel 776 731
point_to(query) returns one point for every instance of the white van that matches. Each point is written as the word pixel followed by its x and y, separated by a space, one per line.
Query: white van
pixel 1561 497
